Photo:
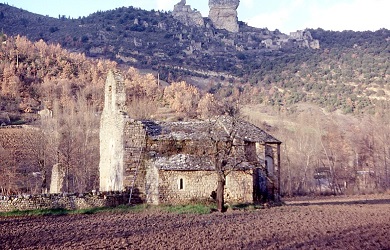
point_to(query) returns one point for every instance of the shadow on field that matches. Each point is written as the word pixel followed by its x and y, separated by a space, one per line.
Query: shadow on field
pixel 338 202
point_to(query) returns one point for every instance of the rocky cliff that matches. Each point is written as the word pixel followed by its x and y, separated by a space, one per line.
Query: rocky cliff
pixel 156 40
pixel 223 14
pixel 186 15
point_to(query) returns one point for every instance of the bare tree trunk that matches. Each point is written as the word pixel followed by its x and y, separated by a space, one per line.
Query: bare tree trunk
pixel 220 193
pixel 386 170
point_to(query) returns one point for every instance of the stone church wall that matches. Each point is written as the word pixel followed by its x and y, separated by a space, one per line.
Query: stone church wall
pixel 134 167
pixel 186 186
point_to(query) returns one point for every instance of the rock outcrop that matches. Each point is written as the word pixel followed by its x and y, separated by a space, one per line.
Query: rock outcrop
pixel 298 39
pixel 186 15
pixel 223 14
pixel 304 39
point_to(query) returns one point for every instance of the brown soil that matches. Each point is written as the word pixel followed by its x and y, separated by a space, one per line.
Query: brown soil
pixel 344 223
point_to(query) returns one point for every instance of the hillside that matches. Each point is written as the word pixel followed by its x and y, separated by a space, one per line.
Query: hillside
pixel 298 93
pixel 348 72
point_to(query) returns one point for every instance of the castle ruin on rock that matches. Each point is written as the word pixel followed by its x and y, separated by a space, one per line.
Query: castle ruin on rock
pixel 223 14
pixel 186 15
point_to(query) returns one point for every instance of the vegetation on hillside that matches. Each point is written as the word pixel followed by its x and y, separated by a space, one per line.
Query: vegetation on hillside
pixel 37 75
pixel 68 88
pixel 350 73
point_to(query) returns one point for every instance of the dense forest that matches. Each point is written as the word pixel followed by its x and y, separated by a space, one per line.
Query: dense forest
pixel 328 106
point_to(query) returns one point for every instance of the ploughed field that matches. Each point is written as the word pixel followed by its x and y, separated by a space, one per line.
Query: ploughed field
pixel 360 222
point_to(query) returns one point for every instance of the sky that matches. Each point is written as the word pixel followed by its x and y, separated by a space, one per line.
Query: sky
pixel 285 15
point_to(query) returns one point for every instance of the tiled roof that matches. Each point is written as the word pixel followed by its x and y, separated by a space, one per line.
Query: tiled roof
pixel 182 162
pixel 218 128
pixel 185 162
pixel 247 131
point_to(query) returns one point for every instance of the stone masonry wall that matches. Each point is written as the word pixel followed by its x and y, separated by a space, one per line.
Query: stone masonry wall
pixel 185 186
pixel 239 186
pixel 65 201
pixel 152 185
pixel 111 134
pixel 134 143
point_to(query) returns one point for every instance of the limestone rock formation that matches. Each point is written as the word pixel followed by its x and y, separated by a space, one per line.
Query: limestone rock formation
pixel 186 15
pixel 304 39
pixel 112 125
pixel 298 39
pixel 223 14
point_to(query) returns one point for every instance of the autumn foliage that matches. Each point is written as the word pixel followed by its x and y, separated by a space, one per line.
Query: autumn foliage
pixel 36 76
pixel 69 86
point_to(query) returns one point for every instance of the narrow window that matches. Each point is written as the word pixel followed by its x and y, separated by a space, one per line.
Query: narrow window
pixel 181 184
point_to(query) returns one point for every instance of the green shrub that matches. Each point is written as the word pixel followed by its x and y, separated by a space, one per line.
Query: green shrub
pixel 53 29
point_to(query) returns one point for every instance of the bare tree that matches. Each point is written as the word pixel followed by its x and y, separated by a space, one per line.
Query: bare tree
pixel 70 137
pixel 227 152
pixel 8 171
pixel 224 161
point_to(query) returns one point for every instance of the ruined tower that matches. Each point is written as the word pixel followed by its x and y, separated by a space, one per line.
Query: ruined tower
pixel 112 123
pixel 223 14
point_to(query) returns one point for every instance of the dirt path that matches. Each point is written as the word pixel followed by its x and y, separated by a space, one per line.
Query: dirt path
pixel 327 224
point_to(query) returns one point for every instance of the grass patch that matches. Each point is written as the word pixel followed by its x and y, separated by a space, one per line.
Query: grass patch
pixel 247 206
pixel 18 122
pixel 93 210
pixel 36 212
pixel 193 208
pixel 177 209
pixel 61 211
pixel 188 209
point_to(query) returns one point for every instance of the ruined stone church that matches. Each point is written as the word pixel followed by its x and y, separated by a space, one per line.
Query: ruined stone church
pixel 171 162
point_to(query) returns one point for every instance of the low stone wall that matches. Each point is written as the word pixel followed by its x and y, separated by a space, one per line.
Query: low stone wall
pixel 66 201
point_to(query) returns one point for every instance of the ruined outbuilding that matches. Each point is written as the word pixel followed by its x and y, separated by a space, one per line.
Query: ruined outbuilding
pixel 173 162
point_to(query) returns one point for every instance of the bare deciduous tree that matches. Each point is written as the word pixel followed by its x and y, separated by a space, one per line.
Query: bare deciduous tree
pixel 227 152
